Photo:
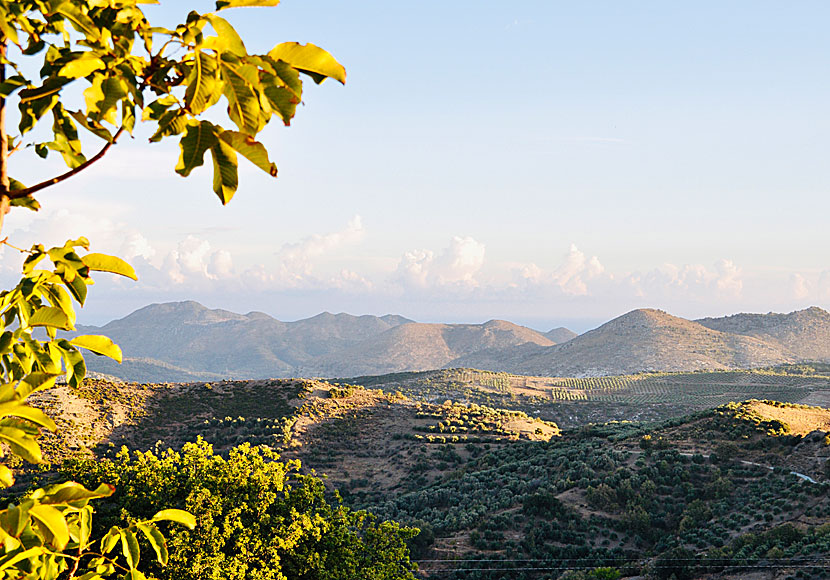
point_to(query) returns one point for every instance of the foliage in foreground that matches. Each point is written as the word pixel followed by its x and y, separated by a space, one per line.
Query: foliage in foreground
pixel 258 518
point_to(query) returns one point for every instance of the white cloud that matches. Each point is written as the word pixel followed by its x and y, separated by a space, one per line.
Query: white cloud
pixel 457 265
pixel 799 287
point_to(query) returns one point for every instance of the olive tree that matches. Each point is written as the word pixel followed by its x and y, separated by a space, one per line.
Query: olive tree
pixel 121 70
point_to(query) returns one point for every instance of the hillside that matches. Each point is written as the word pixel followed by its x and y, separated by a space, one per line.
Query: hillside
pixel 717 491
pixel 414 347
pixel 804 333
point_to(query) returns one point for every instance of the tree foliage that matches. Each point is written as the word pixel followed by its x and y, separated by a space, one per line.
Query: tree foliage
pixel 258 517
pixel 128 70
pixel 168 77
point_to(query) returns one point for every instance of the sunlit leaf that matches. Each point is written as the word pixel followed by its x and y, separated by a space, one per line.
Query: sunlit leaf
pixel 50 316
pixel 156 540
pixel 222 4
pixel 310 59
pixel 112 264
pixel 225 171
pixel 198 138
pixel 52 520
pixel 250 149
pixel 99 345
pixel 179 516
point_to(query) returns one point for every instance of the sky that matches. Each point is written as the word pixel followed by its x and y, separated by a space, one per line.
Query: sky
pixel 546 162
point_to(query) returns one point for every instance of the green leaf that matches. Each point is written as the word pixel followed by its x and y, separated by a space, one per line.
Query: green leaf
pixel 27 202
pixel 14 519
pixel 197 139
pixel 52 521
pixel 74 494
pixel 21 444
pixel 228 37
pixel 79 20
pixel 6 477
pixel 92 126
pixel 34 382
pixel 241 82
pixel 157 541
pixel 99 345
pixel 112 264
pixel 36 416
pixel 225 172
pixel 77 287
pixel 11 84
pixel 250 149
pixel 31 553
pixel 109 541
pixel 310 59
pixel 81 65
pixel 8 30
pixel 179 516
pixel 50 316
pixel 203 87
pixel 222 4
pixel 130 549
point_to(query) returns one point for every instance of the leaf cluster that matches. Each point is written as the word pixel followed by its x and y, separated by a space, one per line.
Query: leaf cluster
pixel 169 77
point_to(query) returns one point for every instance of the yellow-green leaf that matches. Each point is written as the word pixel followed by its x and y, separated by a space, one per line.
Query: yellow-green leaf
pixel 228 37
pixel 21 444
pixel 52 520
pixel 240 85
pixel 81 66
pixel 185 518
pixel 130 549
pixel 6 476
pixel 50 316
pixel 225 171
pixel 197 139
pixel 310 59
pixel 250 149
pixel 222 4
pixel 203 88
pixel 99 345
pixel 113 264
pixel 35 382
pixel 18 409
pixel 157 541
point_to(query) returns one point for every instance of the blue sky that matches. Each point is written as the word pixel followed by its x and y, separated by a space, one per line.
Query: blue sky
pixel 546 162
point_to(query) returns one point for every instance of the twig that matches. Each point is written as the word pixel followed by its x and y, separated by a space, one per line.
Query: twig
pixel 44 184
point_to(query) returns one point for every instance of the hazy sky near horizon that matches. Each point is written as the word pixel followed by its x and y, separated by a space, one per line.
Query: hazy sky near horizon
pixel 541 161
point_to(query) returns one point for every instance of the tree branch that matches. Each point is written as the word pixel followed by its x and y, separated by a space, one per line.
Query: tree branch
pixel 55 180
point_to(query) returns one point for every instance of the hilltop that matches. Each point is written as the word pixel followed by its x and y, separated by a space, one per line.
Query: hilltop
pixel 186 341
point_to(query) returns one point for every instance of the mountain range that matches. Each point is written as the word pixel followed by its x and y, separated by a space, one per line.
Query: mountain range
pixel 185 341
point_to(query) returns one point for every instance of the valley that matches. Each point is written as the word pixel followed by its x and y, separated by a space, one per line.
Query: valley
pixel 523 477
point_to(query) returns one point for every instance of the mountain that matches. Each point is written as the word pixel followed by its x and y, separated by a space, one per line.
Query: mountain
pixel 641 340
pixel 418 346
pixel 804 333
pixel 187 341
pixel 560 335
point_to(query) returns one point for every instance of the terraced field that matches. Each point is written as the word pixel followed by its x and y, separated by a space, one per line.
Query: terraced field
pixel 573 401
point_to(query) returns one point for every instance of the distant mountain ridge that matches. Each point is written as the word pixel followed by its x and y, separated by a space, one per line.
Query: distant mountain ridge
pixel 186 341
